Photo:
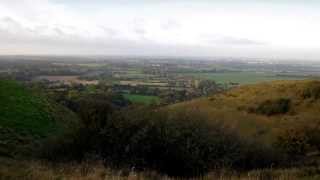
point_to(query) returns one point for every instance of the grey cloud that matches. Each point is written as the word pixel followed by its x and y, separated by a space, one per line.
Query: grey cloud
pixel 229 40
pixel 239 41
pixel 109 31
pixel 139 21
pixel 171 25
pixel 140 31
pixel 40 29
pixel 10 24
pixel 59 31
pixel 15 35
pixel 9 20
pixel 139 27
pixel 12 44
pixel 24 39
pixel 18 39
pixel 65 26
pixel 36 43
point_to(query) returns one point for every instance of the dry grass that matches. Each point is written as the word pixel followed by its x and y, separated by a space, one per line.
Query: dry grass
pixel 232 107
pixel 14 170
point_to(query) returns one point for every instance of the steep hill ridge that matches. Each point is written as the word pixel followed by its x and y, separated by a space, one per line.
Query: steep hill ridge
pixel 26 118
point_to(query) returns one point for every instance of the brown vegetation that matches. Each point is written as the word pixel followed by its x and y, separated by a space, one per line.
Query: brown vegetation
pixel 276 105
pixel 36 170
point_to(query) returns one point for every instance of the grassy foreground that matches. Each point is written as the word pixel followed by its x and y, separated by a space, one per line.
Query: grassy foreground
pixel 10 170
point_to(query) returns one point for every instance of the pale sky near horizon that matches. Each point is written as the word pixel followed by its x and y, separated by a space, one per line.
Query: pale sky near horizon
pixel 233 28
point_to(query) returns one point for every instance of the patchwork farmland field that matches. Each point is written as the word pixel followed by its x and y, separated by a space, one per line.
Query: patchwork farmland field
pixel 66 79
pixel 244 77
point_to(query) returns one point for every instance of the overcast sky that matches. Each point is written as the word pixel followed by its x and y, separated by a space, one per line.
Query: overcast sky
pixel 233 28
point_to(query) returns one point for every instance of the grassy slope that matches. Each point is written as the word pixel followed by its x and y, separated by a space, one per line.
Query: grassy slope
pixel 27 117
pixel 232 107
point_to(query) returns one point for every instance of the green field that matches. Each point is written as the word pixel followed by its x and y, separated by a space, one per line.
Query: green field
pixel 242 77
pixel 142 99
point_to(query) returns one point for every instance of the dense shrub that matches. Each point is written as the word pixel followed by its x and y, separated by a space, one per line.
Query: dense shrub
pixel 94 111
pixel 293 141
pixel 176 143
pixel 272 107
pixel 298 140
pixel 183 143
pixel 180 143
pixel 255 155
pixel 69 147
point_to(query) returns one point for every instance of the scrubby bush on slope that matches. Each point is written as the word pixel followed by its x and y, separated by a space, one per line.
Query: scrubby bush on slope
pixel 299 140
pixel 177 143
pixel 272 107
pixel 95 111
pixel 182 143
